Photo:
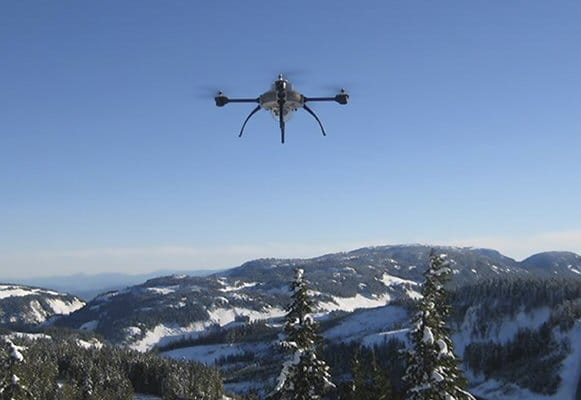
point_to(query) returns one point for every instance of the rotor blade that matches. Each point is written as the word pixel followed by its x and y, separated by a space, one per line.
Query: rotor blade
pixel 307 109
pixel 205 94
pixel 281 119
pixel 247 118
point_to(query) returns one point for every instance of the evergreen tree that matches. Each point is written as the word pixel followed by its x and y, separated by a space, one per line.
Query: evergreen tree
pixel 370 380
pixel 11 387
pixel 359 385
pixel 433 372
pixel 304 376
pixel 380 384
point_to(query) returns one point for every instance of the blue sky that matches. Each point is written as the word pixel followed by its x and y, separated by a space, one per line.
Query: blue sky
pixel 463 128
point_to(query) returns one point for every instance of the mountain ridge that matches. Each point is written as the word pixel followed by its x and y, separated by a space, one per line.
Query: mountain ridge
pixel 364 277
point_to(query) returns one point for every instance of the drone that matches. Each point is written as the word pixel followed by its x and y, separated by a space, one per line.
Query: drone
pixel 282 100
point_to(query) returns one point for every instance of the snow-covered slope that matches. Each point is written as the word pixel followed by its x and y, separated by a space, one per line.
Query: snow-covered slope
pixel 25 306
pixel 569 368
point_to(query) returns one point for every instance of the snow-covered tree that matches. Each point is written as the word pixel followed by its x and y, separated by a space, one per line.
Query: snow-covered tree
pixel 304 376
pixel 11 388
pixel 433 372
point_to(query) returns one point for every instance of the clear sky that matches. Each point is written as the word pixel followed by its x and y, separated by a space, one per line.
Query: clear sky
pixel 464 128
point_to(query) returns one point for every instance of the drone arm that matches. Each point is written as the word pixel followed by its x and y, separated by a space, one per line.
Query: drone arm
pixel 319 99
pixel 256 100
pixel 222 100
pixel 341 98
pixel 247 118
pixel 307 109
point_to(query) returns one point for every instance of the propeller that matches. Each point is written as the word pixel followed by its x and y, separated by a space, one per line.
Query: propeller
pixel 206 92
pixel 334 89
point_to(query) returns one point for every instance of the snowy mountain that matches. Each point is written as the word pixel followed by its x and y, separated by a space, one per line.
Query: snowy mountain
pixel 26 306
pixel 232 319
pixel 167 308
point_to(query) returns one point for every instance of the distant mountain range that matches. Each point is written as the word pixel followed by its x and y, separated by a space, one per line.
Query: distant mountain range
pixel 87 286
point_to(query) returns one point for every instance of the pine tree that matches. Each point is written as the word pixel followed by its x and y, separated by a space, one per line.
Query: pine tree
pixel 11 388
pixel 433 372
pixel 304 376
pixel 370 381
pixel 359 385
pixel 380 384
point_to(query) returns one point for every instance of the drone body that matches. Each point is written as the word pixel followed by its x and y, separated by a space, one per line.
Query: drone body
pixel 282 100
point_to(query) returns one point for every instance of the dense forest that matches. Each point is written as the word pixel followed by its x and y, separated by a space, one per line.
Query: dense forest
pixel 66 365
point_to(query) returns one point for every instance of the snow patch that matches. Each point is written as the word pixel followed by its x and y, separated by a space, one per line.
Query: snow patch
pixel 164 334
pixel 7 291
pixel 37 312
pixel 352 303
pixel 30 336
pixel 366 322
pixel 408 285
pixel 389 280
pixel 162 290
pixel 133 331
pixel 18 291
pixel 224 316
pixel 65 307
pixel 573 269
pixel 90 344
pixel 237 286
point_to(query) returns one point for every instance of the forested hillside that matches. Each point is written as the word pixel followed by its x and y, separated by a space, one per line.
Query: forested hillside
pixel 66 365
